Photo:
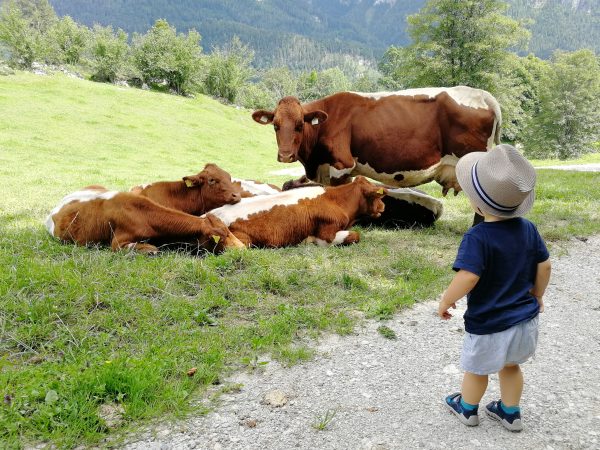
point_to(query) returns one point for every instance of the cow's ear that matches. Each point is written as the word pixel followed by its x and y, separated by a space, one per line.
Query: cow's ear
pixel 263 117
pixel 193 181
pixel 378 192
pixel 315 117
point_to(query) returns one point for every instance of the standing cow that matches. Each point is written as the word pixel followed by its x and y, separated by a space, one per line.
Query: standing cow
pixel 403 138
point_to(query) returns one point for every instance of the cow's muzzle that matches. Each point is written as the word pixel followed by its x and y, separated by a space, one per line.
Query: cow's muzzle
pixel 286 158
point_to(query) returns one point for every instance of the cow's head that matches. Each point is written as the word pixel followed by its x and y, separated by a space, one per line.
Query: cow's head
pixel 289 119
pixel 371 200
pixel 216 237
pixel 215 187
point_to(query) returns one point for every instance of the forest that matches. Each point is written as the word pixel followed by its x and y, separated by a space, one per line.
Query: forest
pixel 364 28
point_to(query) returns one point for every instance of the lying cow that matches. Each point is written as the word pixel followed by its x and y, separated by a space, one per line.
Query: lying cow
pixel 404 207
pixel 313 214
pixel 403 139
pixel 124 220
pixel 194 194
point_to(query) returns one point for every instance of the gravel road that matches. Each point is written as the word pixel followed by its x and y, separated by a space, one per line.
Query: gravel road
pixel 388 394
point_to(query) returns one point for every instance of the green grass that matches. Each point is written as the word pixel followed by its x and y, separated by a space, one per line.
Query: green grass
pixel 83 327
pixel 589 158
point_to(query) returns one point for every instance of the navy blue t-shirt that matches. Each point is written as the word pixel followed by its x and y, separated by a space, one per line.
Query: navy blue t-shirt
pixel 505 256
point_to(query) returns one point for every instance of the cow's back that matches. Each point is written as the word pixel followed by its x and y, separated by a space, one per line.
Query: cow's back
pixel 80 218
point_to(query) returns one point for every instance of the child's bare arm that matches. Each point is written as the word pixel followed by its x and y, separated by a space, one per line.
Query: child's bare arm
pixel 462 283
pixel 542 278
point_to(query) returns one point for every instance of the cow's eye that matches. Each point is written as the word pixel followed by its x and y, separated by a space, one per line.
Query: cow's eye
pixel 211 181
pixel 299 128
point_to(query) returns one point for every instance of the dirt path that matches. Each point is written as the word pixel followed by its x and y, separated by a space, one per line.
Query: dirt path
pixel 387 394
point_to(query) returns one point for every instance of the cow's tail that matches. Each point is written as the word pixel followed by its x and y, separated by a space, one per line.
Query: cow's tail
pixel 495 106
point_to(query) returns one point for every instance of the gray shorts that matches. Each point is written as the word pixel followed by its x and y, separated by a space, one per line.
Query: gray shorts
pixel 483 354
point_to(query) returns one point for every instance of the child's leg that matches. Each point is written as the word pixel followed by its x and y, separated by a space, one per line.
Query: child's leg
pixel 511 385
pixel 473 387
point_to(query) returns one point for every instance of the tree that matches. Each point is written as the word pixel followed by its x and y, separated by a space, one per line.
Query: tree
pixel 459 42
pixel 67 41
pixel 109 54
pixel 228 69
pixel 566 125
pixel 23 27
pixel 162 55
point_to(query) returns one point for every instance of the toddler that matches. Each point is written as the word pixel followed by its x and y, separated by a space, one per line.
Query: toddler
pixel 503 267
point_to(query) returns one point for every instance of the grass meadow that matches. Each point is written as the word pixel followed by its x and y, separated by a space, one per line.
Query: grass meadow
pixel 81 328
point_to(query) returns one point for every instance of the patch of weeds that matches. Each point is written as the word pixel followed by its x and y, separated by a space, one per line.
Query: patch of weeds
pixel 350 282
pixel 231 388
pixel 322 421
pixel 387 332
pixel 253 363
pixel 291 355
pixel 271 283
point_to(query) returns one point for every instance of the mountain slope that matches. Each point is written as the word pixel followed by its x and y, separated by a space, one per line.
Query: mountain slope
pixel 361 27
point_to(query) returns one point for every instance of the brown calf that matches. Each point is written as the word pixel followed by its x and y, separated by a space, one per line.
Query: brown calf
pixel 194 194
pixel 95 215
pixel 313 214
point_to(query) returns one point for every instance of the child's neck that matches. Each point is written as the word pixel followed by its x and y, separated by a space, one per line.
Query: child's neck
pixel 492 218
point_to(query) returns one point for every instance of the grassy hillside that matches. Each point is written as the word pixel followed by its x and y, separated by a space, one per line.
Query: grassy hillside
pixel 90 133
pixel 82 330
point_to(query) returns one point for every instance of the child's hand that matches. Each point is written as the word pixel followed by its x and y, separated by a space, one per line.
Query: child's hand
pixel 443 308
pixel 540 300
pixel 541 303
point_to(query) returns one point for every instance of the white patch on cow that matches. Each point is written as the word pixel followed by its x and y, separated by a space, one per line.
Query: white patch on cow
pixel 255 188
pixel 79 196
pixel 443 172
pixel 340 237
pixel 420 198
pixel 339 173
pixel 463 95
pixel 253 205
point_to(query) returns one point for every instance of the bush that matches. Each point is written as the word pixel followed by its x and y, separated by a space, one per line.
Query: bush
pixel 254 96
pixel 228 70
pixel 162 55
pixel 67 41
pixel 566 125
pixel 22 37
pixel 109 55
pixel 315 85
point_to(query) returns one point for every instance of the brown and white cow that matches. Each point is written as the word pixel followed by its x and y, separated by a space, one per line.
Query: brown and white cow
pixel 194 194
pixel 402 138
pixel 404 207
pixel 95 215
pixel 314 214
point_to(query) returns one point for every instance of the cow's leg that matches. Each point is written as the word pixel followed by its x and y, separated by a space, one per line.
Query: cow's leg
pixel 243 238
pixel 340 172
pixel 330 234
pixel 446 175
pixel 120 242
